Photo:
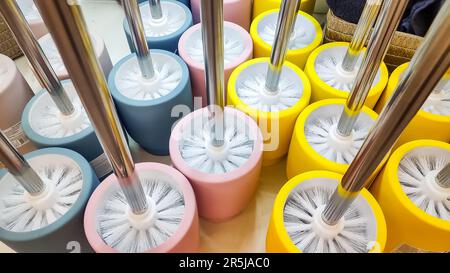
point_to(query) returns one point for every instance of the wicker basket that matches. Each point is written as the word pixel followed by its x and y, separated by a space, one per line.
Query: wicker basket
pixel 8 45
pixel 401 50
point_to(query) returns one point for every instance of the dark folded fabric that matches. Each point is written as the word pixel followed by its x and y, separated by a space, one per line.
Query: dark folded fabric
pixel 416 20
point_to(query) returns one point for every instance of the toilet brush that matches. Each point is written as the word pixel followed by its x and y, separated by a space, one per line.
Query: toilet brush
pixel 147 87
pixel 433 119
pixel 329 133
pixel 54 117
pixel 332 68
pixel 219 149
pixel 235 11
pixel 413 188
pixel 187 3
pixel 149 207
pixel 299 220
pixel 305 37
pixel 164 22
pixel 42 199
pixel 33 17
pixel 14 95
pixel 260 6
pixel 238 48
pixel 273 92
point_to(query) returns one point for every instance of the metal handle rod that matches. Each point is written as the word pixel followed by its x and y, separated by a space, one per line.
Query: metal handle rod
pixel 19 168
pixel 39 63
pixel 425 70
pixel 155 9
pixel 285 25
pixel 68 28
pixel 365 23
pixel 443 177
pixel 213 50
pixel 384 31
pixel 137 33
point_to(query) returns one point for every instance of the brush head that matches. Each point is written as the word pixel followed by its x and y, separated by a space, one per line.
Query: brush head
pixel 46 120
pixel 321 133
pixel 234 44
pixel 197 151
pixel 21 212
pixel 250 87
pixel 51 52
pixel 302 216
pixel 417 173
pixel 328 66
pixel 438 103
pixel 173 19
pixel 125 231
pixel 131 84
pixel 303 34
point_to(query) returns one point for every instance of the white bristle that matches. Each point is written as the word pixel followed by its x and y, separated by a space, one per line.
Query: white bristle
pixel 328 68
pixel 233 46
pixel 320 132
pixel 174 18
pixel 417 172
pixel 250 87
pixel 303 35
pixel 46 119
pixel 168 75
pixel 19 213
pixel 29 9
pixel 438 102
pixel 303 210
pixel 167 211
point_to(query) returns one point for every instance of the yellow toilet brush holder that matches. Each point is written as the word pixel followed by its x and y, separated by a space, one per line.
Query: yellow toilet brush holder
pixel 417 209
pixel 290 219
pixel 260 6
pixel 433 120
pixel 307 36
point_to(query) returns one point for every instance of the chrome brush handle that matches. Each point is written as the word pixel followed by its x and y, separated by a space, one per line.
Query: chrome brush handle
pixel 443 177
pixel 427 67
pixel 19 168
pixel 155 9
pixel 68 28
pixel 213 50
pixel 137 34
pixel 383 33
pixel 365 23
pixel 285 25
pixel 39 62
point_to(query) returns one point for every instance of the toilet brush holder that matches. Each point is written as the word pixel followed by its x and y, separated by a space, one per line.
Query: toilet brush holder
pixel 296 224
pixel 187 3
pixel 14 95
pixel 317 144
pixel 52 53
pixel 260 6
pixel 415 205
pixel 224 179
pixel 238 49
pixel 152 207
pixel 33 17
pixel 234 11
pixel 433 120
pixel 172 207
pixel 165 32
pixel 46 126
pixel 51 221
pixel 275 114
pixel 328 80
pixel 145 106
pixel 306 37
